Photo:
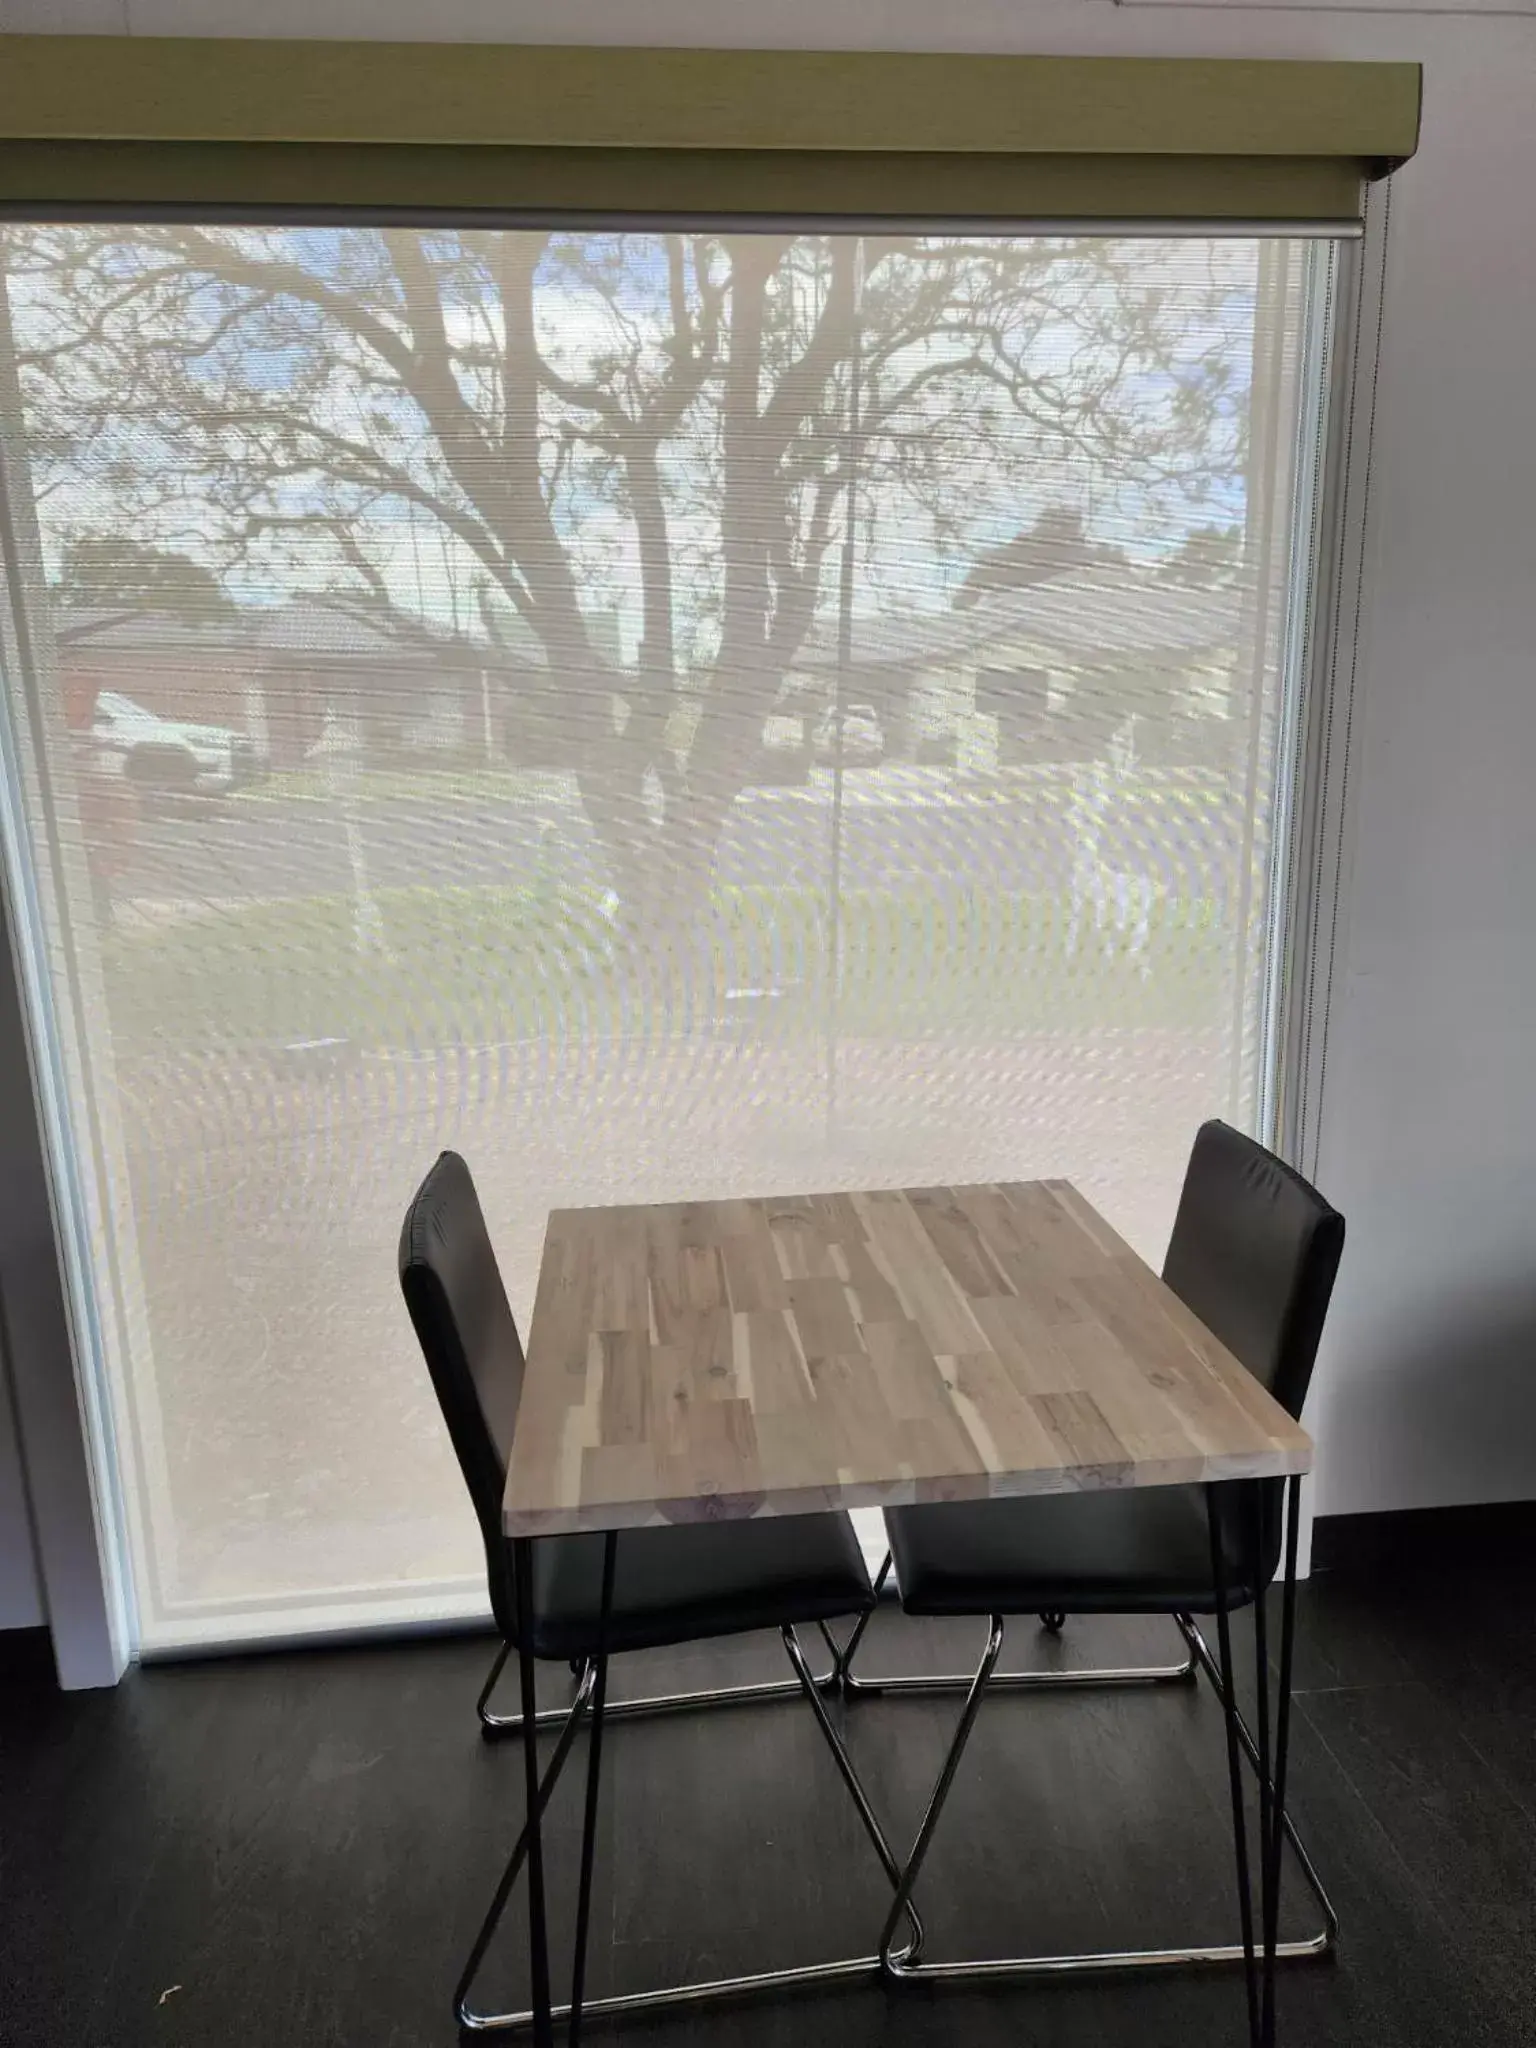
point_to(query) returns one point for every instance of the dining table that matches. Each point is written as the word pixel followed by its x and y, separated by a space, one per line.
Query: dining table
pixel 698 1361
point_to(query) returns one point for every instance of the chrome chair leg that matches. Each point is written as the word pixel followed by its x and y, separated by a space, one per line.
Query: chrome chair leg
pixel 1200 1660
pixel 496 1724
pixel 496 1727
pixel 843 1658
pixel 849 1969
pixel 1326 1939
pixel 812 1690
pixel 889 1963
pixel 1002 1681
pixel 912 1969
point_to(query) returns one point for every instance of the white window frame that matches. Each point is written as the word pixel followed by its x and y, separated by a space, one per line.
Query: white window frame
pixel 48 1311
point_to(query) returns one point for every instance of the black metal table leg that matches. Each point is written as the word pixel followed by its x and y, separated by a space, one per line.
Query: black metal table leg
pixel 1257 1503
pixel 538 1934
pixel 1234 1767
pixel 1274 1847
pixel 594 1770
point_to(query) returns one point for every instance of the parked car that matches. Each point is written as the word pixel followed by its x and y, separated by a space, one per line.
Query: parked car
pixel 171 756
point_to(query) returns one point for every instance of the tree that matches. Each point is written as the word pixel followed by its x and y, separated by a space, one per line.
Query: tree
pixel 1055 545
pixel 107 570
pixel 1210 558
pixel 577 418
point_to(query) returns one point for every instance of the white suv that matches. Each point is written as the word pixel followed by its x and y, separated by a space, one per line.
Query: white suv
pixel 168 756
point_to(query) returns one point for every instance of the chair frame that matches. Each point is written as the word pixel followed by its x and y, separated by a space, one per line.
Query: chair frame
pixel 1184 1673
pixel 496 1727
pixel 1266 1754
pixel 540 2017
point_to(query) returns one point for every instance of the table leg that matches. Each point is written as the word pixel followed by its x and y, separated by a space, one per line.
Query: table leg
pixel 538 1935
pixel 1273 1849
pixel 594 1768
pixel 1258 1502
pixel 1234 1767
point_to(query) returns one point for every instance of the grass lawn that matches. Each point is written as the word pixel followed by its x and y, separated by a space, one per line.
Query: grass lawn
pixel 468 783
pixel 481 965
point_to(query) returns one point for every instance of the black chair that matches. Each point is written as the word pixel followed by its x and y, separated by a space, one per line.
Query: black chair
pixel 1254 1252
pixel 576 1598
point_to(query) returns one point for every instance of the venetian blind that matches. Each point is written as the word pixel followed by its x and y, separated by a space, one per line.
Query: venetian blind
pixel 668 713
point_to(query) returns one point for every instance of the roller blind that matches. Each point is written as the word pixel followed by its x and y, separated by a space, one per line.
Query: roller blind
pixel 669 714
pixel 93 122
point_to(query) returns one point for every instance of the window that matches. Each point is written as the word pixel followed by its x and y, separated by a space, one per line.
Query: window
pixel 666 713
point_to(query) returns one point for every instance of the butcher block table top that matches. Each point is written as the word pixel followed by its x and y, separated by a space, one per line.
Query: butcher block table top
pixel 708 1360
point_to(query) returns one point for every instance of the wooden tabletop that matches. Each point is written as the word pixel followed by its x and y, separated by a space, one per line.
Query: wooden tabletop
pixel 706 1360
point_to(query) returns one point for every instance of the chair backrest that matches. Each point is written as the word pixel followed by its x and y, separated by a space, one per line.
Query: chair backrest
pixel 1254 1252
pixel 452 1287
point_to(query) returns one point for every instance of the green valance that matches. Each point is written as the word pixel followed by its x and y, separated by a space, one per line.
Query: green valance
pixel 106 123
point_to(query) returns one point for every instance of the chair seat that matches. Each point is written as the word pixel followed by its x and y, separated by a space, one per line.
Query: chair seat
pixel 684 1583
pixel 1132 1550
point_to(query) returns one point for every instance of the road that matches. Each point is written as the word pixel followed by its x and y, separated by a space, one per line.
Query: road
pixel 893 834
pixel 254 848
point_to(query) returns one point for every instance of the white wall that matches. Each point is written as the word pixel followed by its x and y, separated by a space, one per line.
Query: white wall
pixel 1427 1392
pixel 1429 1125
pixel 21 1600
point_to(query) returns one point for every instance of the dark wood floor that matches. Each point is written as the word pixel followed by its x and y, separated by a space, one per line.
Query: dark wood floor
pixel 295 1849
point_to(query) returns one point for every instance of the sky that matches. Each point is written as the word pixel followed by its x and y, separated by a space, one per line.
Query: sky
pixel 1202 293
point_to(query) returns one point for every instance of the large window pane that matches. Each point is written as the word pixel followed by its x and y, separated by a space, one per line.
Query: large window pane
pixel 666 714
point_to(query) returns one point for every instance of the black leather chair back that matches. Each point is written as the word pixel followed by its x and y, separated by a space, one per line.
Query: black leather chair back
pixel 452 1287
pixel 1254 1252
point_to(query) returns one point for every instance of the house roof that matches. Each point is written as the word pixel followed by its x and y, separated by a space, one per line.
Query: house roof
pixel 1090 615
pixel 1095 613
pixel 306 628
